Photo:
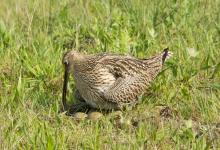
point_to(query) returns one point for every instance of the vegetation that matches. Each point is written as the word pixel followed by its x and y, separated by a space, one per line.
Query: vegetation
pixel 179 111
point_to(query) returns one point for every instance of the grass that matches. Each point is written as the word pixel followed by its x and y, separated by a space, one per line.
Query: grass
pixel 35 34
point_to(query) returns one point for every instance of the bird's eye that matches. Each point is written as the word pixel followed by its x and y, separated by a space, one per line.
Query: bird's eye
pixel 65 62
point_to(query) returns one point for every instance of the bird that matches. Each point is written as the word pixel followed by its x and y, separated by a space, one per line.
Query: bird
pixel 110 81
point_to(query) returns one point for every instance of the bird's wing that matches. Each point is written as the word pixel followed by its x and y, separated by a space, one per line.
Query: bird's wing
pixel 125 90
pixel 122 66
pixel 130 80
pixel 132 76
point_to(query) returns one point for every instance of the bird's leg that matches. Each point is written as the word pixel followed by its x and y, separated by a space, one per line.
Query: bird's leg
pixel 80 104
pixel 78 96
pixel 79 107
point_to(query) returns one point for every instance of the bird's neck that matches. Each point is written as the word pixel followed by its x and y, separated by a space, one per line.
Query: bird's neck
pixel 80 65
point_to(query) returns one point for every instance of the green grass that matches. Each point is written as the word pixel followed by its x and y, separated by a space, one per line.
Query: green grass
pixel 35 34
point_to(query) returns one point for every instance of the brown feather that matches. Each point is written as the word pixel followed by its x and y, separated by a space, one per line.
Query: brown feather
pixel 109 81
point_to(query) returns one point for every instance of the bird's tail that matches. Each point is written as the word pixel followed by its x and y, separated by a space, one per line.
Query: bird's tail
pixel 166 54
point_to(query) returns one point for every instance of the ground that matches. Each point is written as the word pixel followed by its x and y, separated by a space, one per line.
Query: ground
pixel 179 111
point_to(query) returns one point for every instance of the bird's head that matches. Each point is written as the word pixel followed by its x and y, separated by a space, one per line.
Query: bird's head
pixel 70 60
pixel 72 57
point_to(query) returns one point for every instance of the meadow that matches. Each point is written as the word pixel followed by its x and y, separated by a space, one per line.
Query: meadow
pixel 179 111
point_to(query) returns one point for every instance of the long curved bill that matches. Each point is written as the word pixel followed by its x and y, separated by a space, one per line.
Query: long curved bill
pixel 65 83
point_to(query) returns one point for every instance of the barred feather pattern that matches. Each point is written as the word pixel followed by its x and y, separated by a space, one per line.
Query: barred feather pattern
pixel 108 81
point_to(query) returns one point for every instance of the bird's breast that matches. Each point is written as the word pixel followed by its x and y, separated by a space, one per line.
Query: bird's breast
pixel 91 85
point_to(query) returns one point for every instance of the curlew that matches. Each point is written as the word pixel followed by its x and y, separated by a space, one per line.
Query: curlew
pixel 110 81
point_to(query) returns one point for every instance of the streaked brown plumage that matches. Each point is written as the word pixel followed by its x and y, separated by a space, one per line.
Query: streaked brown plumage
pixel 109 81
